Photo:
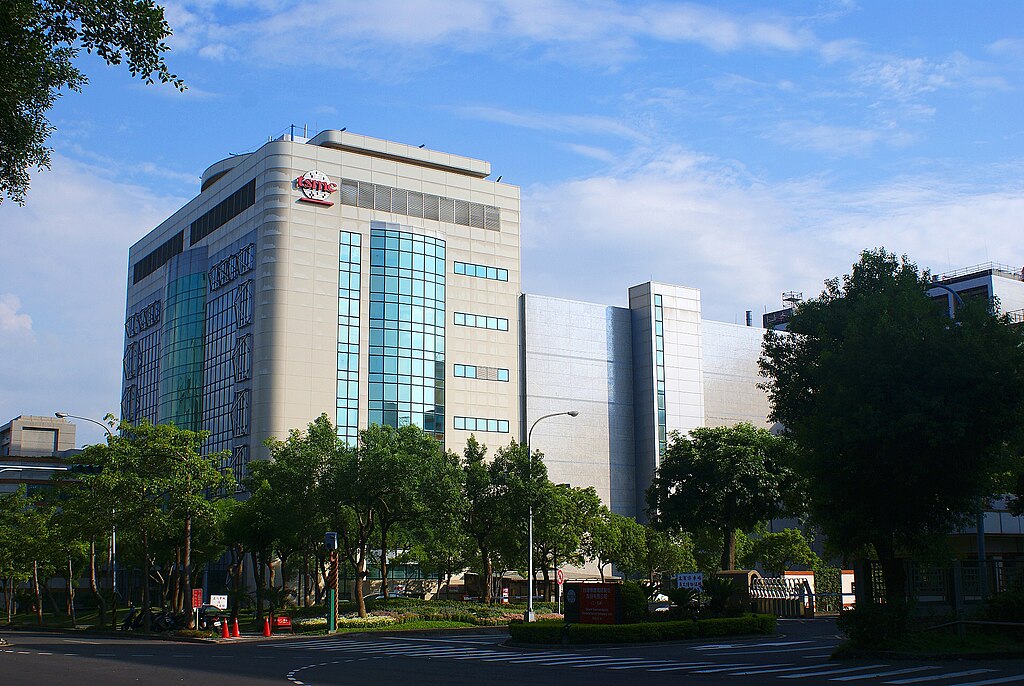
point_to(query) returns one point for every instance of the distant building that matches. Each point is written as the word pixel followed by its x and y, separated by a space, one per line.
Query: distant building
pixel 32 448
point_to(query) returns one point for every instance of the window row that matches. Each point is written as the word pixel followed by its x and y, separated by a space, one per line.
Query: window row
pixel 481 271
pixel 472 371
pixel 415 204
pixel 481 322
pixel 499 426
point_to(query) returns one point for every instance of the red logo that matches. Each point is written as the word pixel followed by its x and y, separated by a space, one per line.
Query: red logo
pixel 316 187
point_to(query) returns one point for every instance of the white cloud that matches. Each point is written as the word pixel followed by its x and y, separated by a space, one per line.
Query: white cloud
pixel 71 239
pixel 566 123
pixel 395 33
pixel 592 152
pixel 838 141
pixel 10 319
pixel 690 219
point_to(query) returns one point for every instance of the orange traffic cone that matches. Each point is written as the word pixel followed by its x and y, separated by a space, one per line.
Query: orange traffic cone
pixel 224 628
pixel 234 629
pixel 266 626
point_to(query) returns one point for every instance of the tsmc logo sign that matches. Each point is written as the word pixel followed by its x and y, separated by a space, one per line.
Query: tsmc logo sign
pixel 316 187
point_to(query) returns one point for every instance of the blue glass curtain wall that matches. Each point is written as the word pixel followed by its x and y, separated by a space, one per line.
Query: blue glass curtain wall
pixel 349 262
pixel 407 329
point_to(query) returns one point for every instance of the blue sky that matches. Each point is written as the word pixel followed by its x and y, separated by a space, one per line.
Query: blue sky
pixel 742 148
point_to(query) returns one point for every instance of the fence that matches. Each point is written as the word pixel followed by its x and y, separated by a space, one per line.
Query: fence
pixel 782 597
pixel 945 586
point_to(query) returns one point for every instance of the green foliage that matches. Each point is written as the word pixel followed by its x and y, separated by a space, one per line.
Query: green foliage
pixel 686 601
pixel 554 632
pixel 722 479
pixel 875 626
pixel 904 417
pixel 720 591
pixel 779 551
pixel 633 602
pixel 41 42
pixel 1005 607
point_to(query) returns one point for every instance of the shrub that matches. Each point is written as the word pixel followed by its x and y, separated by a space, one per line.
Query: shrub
pixel 633 603
pixel 1005 607
pixel 720 590
pixel 875 626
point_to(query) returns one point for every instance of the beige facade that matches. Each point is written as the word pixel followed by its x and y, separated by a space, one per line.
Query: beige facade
pixel 290 360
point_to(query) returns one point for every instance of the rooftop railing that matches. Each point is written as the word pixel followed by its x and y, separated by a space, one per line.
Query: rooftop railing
pixel 994 267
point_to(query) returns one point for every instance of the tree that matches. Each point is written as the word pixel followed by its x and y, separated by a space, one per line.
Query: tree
pixel 722 479
pixel 494 503
pixel 41 42
pixel 562 522
pixel 905 418
pixel 615 540
pixel 154 481
pixel 779 551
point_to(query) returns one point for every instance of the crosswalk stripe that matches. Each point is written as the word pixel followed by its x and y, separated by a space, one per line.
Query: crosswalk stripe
pixel 801 668
pixel 648 663
pixel 908 670
pixel 1002 680
pixel 610 662
pixel 934 677
pixel 523 658
pixel 713 670
pixel 676 668
pixel 829 672
pixel 772 652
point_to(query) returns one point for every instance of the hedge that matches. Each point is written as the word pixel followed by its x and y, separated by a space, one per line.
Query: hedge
pixel 554 632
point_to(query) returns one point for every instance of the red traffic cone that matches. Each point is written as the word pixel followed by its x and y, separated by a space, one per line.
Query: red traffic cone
pixel 266 626
pixel 234 629
pixel 224 628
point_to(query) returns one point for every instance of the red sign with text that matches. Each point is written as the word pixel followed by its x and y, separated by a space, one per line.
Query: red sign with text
pixel 197 598
pixel 597 603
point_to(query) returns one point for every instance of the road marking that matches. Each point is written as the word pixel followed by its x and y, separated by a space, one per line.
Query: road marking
pixel 41 653
pixel 676 668
pixel 639 662
pixel 934 677
pixel 1003 680
pixel 648 663
pixel 713 670
pixel 91 643
pixel 801 668
pixel 909 670
pixel 785 650
pixel 830 671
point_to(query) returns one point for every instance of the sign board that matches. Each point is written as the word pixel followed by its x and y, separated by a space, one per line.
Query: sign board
pixel 694 580
pixel 197 598
pixel 559 577
pixel 219 601
pixel 504 595
pixel 316 187
pixel 592 603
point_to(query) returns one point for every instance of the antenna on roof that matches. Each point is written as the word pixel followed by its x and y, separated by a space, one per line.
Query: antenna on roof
pixel 422 144
pixel 792 298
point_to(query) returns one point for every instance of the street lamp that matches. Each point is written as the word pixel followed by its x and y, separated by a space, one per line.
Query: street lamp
pixel 530 615
pixel 980 521
pixel 113 530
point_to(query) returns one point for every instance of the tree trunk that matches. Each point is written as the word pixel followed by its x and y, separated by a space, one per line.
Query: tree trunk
pixel 9 592
pixel 728 548
pixel 485 555
pixel 893 572
pixel 39 595
pixel 360 574
pixel 146 604
pixel 261 578
pixel 384 560
pixel 187 573
pixel 72 582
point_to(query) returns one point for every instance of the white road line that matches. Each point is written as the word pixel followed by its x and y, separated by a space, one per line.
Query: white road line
pixel 91 643
pixel 523 658
pixel 829 671
pixel 676 668
pixel 44 653
pixel 908 670
pixel 801 668
pixel 713 670
pixel 648 663
pixel 772 652
pixel 935 677
pixel 629 661
pixel 1003 680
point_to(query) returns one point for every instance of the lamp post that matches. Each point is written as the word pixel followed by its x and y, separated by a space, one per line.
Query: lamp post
pixel 113 529
pixel 980 522
pixel 530 615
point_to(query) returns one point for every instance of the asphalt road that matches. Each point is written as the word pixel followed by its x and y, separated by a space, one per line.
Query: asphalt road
pixel 798 654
